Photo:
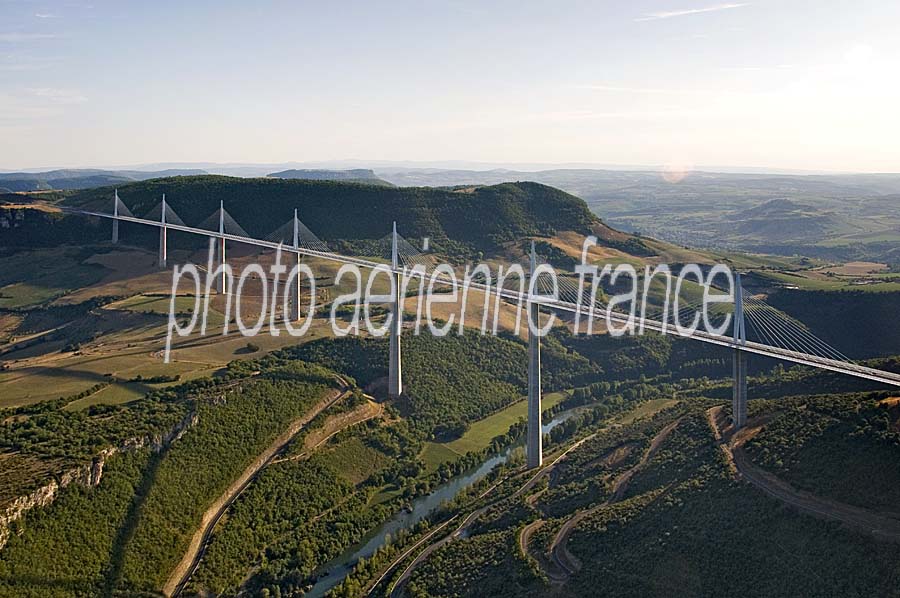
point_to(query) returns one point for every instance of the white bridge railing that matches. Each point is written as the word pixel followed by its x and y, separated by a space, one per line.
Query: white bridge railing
pixel 799 357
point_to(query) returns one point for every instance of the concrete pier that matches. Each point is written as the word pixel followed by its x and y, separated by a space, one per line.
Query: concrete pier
pixel 296 284
pixel 220 281
pixel 739 369
pixel 534 446
pixel 739 391
pixel 295 290
pixel 115 223
pixel 395 380
pixel 162 235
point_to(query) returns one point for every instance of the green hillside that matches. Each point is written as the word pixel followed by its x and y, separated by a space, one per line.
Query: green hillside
pixel 80 178
pixel 676 520
pixel 354 175
pixel 834 217
pixel 453 378
pixel 479 218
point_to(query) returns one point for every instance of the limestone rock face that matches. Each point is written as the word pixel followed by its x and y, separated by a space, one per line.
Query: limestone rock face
pixel 88 475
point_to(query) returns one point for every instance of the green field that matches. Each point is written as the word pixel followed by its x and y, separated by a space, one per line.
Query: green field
pixel 481 432
pixel 387 493
pixel 161 304
pixel 645 409
pixel 114 394
pixel 353 460
pixel 33 277
pixel 44 373
pixel 435 453
pixel 874 237
pixel 807 283
pixel 758 260
pixel 67 377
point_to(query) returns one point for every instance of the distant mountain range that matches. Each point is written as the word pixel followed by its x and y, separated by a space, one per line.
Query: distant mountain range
pixel 88 178
pixel 261 168
pixel 461 222
pixel 355 175
pixel 833 216
pixel 17 182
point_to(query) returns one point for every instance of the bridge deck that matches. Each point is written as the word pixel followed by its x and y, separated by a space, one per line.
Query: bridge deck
pixel 850 369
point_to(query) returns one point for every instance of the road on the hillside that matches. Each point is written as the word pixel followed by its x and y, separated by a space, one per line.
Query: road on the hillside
pixel 182 573
pixel 563 559
pixel 472 517
pixel 879 525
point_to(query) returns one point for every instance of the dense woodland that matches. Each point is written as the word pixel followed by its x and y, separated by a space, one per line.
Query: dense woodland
pixel 71 549
pixel 840 446
pixel 684 522
pixel 235 420
pixel 459 222
pixel 239 414
pixel 449 379
pixel 305 510
pixel 46 430
pixel 227 437
pixel 690 521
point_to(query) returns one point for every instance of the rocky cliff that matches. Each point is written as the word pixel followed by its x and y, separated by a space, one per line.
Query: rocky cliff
pixel 89 474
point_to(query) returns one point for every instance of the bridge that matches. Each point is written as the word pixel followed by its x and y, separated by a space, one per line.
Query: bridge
pixel 778 335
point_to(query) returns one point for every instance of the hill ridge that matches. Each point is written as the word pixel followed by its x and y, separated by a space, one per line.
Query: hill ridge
pixel 480 219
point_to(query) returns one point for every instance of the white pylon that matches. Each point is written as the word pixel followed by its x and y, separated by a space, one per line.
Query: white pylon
pixel 162 234
pixel 395 381
pixel 115 227
pixel 739 360
pixel 740 330
pixel 295 285
pixel 220 281
pixel 534 447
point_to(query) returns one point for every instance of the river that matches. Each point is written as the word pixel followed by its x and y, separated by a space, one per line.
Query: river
pixel 335 571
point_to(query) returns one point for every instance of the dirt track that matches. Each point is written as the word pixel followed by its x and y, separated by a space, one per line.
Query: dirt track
pixel 564 560
pixel 333 426
pixel 526 532
pixel 397 588
pixel 879 525
pixel 472 517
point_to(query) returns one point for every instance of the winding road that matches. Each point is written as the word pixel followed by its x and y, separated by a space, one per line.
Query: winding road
pixel 472 517
pixel 879 525
pixel 564 560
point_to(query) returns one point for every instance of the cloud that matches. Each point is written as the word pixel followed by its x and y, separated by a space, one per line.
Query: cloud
pixel 771 67
pixel 28 106
pixel 24 62
pixel 44 15
pixel 643 90
pixel 654 16
pixel 13 37
pixel 53 95
pixel 580 115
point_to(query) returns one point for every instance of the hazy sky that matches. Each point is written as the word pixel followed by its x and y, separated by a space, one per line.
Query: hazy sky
pixel 784 83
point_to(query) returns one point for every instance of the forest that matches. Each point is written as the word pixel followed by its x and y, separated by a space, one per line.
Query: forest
pixel 450 378
pixel 145 508
pixel 457 222
pixel 842 446
pixel 684 521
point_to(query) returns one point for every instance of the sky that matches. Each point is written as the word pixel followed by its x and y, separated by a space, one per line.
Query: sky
pixel 788 84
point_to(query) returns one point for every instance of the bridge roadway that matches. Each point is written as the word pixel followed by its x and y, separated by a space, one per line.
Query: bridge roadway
pixel 842 367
